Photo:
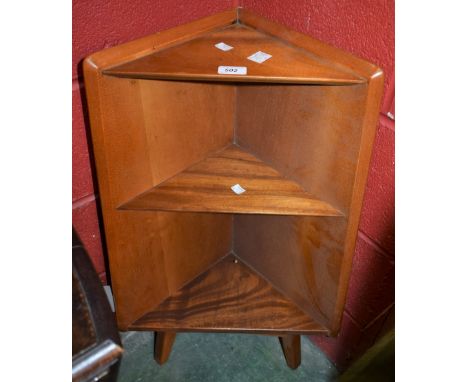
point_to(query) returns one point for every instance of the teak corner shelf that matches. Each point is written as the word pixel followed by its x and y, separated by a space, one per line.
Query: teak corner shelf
pixel 171 137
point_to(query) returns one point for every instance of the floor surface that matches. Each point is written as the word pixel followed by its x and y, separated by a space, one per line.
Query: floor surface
pixel 214 357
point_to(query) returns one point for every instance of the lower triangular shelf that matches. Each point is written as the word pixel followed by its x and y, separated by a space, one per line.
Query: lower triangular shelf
pixel 206 187
pixel 228 297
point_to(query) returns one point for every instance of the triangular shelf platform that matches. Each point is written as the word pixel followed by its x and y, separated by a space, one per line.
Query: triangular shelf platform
pixel 206 187
pixel 199 59
pixel 228 297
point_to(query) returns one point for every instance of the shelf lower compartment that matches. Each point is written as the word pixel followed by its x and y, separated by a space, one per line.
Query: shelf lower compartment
pixel 229 297
pixel 206 187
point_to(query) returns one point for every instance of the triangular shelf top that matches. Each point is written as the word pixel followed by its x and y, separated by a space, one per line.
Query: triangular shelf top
pixel 199 59
pixel 228 297
pixel 206 187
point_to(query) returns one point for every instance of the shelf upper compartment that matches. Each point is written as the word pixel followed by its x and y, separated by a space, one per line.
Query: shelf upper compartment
pixel 229 297
pixel 206 187
pixel 199 59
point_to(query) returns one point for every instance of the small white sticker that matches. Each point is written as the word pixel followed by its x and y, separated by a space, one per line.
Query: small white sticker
pixel 259 57
pixel 238 70
pixel 223 46
pixel 237 189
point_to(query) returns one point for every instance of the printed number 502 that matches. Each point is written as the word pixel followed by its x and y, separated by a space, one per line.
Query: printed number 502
pixel 238 70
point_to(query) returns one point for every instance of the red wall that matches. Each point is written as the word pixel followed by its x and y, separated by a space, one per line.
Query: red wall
pixel 363 27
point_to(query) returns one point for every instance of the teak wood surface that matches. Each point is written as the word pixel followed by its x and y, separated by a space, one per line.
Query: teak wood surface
pixel 206 187
pixel 229 297
pixel 197 59
pixel 170 138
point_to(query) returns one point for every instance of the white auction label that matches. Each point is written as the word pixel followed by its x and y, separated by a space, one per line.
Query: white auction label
pixel 259 57
pixel 237 188
pixel 238 70
pixel 223 46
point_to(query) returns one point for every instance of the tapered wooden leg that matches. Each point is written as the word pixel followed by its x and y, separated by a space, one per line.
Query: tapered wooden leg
pixel 291 345
pixel 163 345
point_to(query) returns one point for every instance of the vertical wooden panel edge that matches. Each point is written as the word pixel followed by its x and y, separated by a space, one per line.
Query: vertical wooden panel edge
pixel 92 78
pixel 114 220
pixel 370 120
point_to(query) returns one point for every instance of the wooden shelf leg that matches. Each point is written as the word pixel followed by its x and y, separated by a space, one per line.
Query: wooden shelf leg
pixel 163 342
pixel 291 345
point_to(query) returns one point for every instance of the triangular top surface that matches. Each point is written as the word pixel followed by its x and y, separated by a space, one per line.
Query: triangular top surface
pixel 200 59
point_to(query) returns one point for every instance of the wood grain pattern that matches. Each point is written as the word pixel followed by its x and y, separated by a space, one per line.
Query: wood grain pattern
pixel 184 122
pixel 147 128
pixel 206 187
pixel 228 297
pixel 330 54
pixel 311 134
pixel 199 59
pixel 300 256
pixel 149 281
pixel 369 122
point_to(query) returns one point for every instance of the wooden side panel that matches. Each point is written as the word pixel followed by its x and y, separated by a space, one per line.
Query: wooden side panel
pixel 371 106
pixel 152 130
pixel 190 243
pixel 135 263
pixel 184 122
pixel 159 128
pixel 310 134
pixel 300 256
pixel 124 139
pixel 154 253
pixel 151 254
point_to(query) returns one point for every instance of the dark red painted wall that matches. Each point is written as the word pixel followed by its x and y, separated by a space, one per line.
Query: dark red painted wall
pixel 363 27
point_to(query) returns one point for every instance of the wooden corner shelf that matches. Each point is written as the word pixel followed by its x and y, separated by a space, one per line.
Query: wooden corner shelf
pixel 206 187
pixel 228 297
pixel 173 132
